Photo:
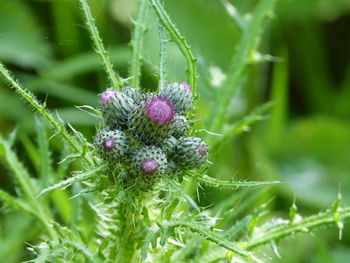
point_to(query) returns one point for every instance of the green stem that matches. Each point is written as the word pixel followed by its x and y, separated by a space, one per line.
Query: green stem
pixel 303 226
pixel 136 44
pixel 162 57
pixel 114 78
pixel 131 228
pixel 211 181
pixel 41 108
pixel 180 41
pixel 247 45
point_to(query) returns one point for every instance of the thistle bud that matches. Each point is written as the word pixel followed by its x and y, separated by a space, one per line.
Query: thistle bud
pixel 168 145
pixel 180 126
pixel 180 95
pixel 149 160
pixel 112 145
pixel 132 93
pixel 151 121
pixel 116 107
pixel 191 153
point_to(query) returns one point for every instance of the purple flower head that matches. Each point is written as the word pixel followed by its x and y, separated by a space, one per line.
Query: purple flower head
pixel 109 144
pixel 186 86
pixel 160 110
pixel 202 149
pixel 149 166
pixel 107 95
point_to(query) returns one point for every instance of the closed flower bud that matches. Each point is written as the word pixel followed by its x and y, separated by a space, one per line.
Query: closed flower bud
pixel 151 121
pixel 180 126
pixel 149 161
pixel 132 93
pixel 180 95
pixel 191 153
pixel 112 145
pixel 168 145
pixel 116 107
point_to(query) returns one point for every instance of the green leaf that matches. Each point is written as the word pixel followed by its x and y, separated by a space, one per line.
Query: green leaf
pixel 183 193
pixel 45 155
pixel 211 181
pixel 15 202
pixel 268 233
pixel 146 242
pixel 82 176
pixel 20 173
pixel 208 235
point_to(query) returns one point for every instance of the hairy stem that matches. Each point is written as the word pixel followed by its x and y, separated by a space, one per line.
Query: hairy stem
pixel 180 41
pixel 131 226
pixel 276 233
pixel 136 44
pixel 41 108
pixel 211 181
pixel 113 77
pixel 162 57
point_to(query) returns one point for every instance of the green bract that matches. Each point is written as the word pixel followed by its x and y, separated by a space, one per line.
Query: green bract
pixel 112 145
pixel 132 93
pixel 180 126
pixel 116 108
pixel 168 145
pixel 149 161
pixel 148 126
pixel 180 94
pixel 191 153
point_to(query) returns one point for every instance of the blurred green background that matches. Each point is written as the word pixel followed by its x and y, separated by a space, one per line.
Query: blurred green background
pixel 304 140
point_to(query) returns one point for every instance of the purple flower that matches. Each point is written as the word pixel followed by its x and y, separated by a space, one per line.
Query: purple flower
pixel 160 110
pixel 149 166
pixel 186 86
pixel 107 95
pixel 109 144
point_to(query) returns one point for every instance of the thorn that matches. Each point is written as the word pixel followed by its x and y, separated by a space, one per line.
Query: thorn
pixel 275 248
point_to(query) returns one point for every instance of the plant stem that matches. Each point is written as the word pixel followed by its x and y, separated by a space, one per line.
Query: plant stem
pixel 41 108
pixel 136 44
pixel 180 41
pixel 131 228
pixel 247 45
pixel 113 77
pixel 162 57
pixel 305 225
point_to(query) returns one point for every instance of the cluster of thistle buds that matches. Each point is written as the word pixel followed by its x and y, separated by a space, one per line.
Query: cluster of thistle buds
pixel 147 133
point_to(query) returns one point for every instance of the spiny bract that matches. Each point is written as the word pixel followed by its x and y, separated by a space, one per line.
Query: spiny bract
pixel 116 108
pixel 132 93
pixel 191 152
pixel 112 144
pixel 149 160
pixel 180 94
pixel 151 121
pixel 180 126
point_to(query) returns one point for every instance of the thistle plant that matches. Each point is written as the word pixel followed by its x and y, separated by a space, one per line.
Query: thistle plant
pixel 138 177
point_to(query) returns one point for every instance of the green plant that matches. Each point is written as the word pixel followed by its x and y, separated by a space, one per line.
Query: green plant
pixel 163 224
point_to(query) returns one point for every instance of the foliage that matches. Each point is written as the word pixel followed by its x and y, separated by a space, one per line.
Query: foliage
pixel 79 210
